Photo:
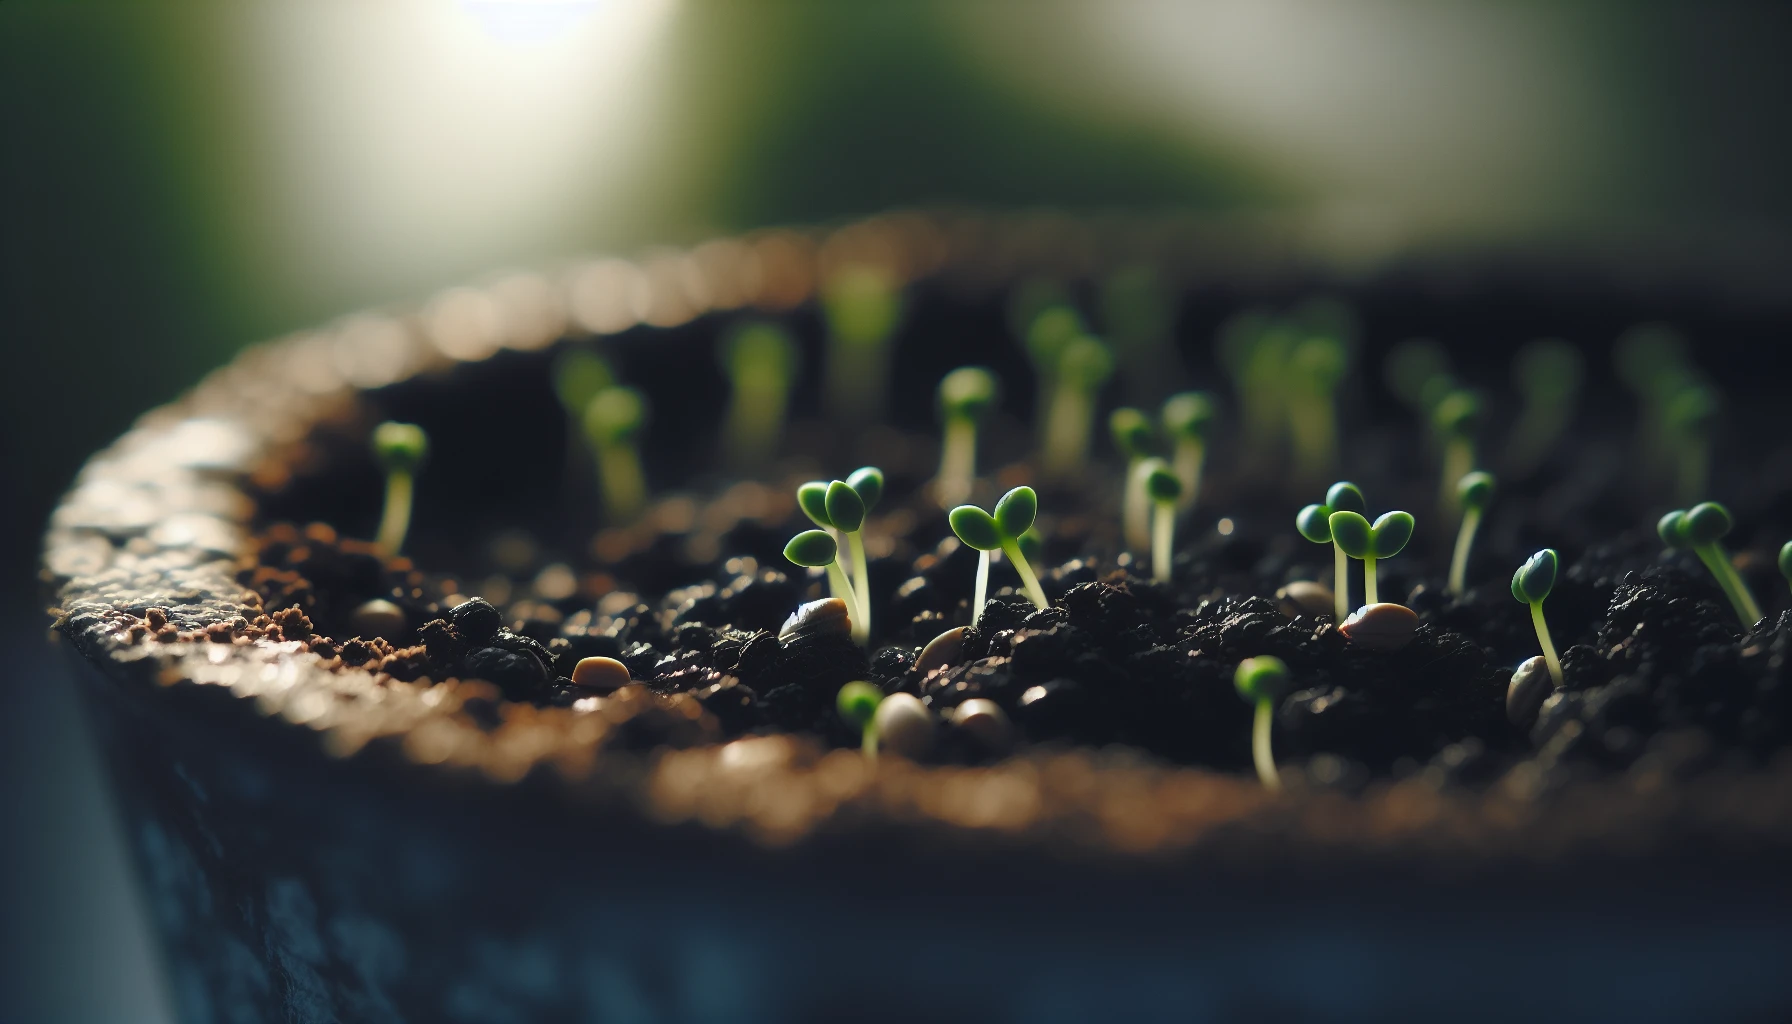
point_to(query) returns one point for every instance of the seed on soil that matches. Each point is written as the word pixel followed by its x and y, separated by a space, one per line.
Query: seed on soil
pixel 1305 597
pixel 817 618
pixel 604 675
pixel 379 617
pixel 984 722
pixel 945 649
pixel 1381 627
pixel 904 726
pixel 1530 684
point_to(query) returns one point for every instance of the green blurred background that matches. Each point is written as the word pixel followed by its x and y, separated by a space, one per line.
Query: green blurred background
pixel 179 179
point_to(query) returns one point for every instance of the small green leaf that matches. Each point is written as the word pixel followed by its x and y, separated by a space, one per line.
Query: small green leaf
pixel 1051 332
pixel 975 527
pixel 846 510
pixel 1262 678
pixel 1189 415
pixel 812 497
pixel 1345 496
pixel 400 446
pixel 1706 523
pixel 1536 577
pixel 868 481
pixel 1475 489
pixel 857 703
pixel 1390 533
pixel 1672 529
pixel 1160 483
pixel 1692 411
pixel 615 416
pixel 812 548
pixel 1132 433
pixel 1015 511
pixel 1786 560
pixel 1087 362
pixel 1313 523
pixel 862 304
pixel 578 377
pixel 968 392
pixel 1321 360
pixel 1352 533
pixel 1457 414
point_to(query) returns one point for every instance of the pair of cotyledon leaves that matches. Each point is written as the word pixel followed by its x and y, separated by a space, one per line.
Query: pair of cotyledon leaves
pixel 1705 523
pixel 1340 520
pixel 1014 515
pixel 840 504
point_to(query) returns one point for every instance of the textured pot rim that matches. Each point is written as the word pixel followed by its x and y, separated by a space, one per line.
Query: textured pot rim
pixel 159 518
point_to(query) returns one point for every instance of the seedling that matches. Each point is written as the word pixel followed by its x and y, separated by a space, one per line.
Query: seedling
pixel 1084 367
pixel 1455 419
pixel 1046 335
pixel 1702 529
pixel 857 703
pixel 613 421
pixel 1139 315
pixel 1133 438
pixel 1548 373
pixel 1013 517
pixel 760 360
pixel 1675 410
pixel 400 449
pixel 1530 585
pixel 966 396
pixel 845 505
pixel 816 549
pixel 1352 533
pixel 1473 492
pixel 1163 489
pixel 1260 682
pixel 1314 523
pixel 578 376
pixel 1187 418
pixel 1786 561
pixel 862 305
pixel 1317 364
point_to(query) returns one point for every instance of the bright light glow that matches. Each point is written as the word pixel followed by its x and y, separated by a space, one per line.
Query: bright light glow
pixel 412 140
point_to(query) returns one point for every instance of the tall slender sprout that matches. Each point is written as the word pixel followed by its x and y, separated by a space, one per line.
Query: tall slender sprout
pixel 760 360
pixel 578 374
pixel 1702 529
pixel 966 395
pixel 1139 314
pixel 1530 585
pixel 1260 682
pixel 1187 417
pixel 1133 438
pixel 613 422
pixel 400 449
pixel 1163 488
pixel 816 549
pixel 863 306
pixel 1455 418
pixel 1548 374
pixel 1083 368
pixel 1358 539
pixel 1051 330
pixel 1473 492
pixel 1317 364
pixel 977 529
pixel 1314 523
pixel 846 508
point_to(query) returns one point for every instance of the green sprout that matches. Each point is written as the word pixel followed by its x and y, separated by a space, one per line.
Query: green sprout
pixel 966 395
pixel 400 449
pixel 857 704
pixel 613 421
pixel 816 549
pixel 1454 419
pixel 1163 488
pixel 578 376
pixel 1260 682
pixel 1786 561
pixel 1085 365
pixel 1702 529
pixel 1473 492
pixel 862 305
pixel 1049 331
pixel 1314 523
pixel 1139 314
pixel 1530 585
pixel 761 361
pixel 1013 518
pixel 1133 438
pixel 1317 364
pixel 1548 373
pixel 1187 417
pixel 1353 534
pixel 847 503
pixel 1029 299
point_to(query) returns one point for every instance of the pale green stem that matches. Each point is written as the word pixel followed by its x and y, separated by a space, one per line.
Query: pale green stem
pixel 861 630
pixel 958 462
pixel 1465 538
pixel 624 485
pixel 1135 507
pixel 1191 452
pixel 395 519
pixel 1459 461
pixel 1260 752
pixel 1067 430
pixel 1340 581
pixel 982 594
pixel 1370 594
pixel 1549 647
pixel 1731 581
pixel 1163 526
pixel 861 576
pixel 868 742
pixel 1028 581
